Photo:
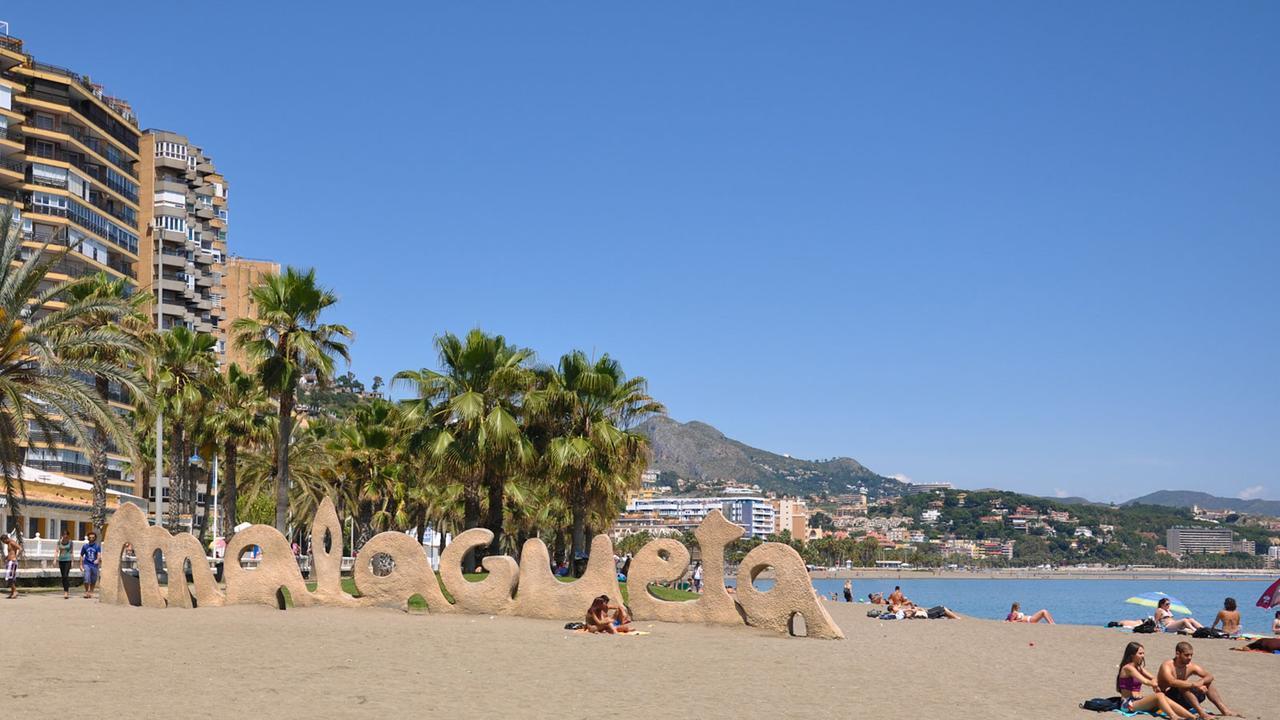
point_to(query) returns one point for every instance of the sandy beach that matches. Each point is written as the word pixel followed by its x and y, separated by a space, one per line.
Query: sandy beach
pixel 78 656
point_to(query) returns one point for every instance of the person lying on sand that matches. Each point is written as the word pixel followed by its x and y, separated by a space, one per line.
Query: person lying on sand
pixel 1129 681
pixel 1269 645
pixel 1166 623
pixel 1176 681
pixel 599 620
pixel 1229 616
pixel 1016 615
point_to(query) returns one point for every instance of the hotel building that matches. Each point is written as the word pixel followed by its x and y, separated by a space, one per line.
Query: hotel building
pixel 754 514
pixel 239 278
pixel 69 164
pixel 1182 540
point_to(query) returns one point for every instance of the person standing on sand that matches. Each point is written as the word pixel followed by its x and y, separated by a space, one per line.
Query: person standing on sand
pixel 1175 681
pixel 90 563
pixel 12 550
pixel 697 578
pixel 848 591
pixel 64 563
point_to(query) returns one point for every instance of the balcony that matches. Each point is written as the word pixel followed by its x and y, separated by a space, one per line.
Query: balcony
pixel 13 166
pixel 92 170
pixel 100 147
pixel 60 466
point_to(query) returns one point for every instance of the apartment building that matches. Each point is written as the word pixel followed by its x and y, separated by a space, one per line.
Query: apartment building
pixel 754 514
pixel 70 166
pixel 184 218
pixel 1181 540
pixel 240 275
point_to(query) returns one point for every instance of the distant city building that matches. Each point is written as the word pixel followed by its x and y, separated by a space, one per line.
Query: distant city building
pixel 1182 540
pixel 754 514
pixel 1274 552
pixel 792 515
pixel 917 488
pixel 240 277
pixel 930 517
pixel 1248 547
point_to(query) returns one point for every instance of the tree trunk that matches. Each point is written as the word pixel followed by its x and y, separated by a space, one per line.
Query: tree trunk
pixel 175 479
pixel 579 509
pixel 209 502
pixel 422 525
pixel 98 459
pixel 470 518
pixel 229 491
pixel 497 489
pixel 282 461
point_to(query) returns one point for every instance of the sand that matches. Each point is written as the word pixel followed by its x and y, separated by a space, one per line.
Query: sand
pixel 79 657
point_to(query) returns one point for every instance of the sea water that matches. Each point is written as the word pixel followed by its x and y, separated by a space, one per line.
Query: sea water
pixel 1080 602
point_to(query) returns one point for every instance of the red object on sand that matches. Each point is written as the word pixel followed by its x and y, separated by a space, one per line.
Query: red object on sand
pixel 1270 598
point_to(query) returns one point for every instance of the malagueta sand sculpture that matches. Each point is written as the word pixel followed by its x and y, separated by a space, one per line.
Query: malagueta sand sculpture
pixel 527 589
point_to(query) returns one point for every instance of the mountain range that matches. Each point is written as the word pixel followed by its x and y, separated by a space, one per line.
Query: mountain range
pixel 1187 498
pixel 697 451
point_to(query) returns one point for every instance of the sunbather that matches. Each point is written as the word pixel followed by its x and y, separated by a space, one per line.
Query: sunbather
pixel 599 619
pixel 1166 623
pixel 1229 616
pixel 1129 681
pixel 1016 615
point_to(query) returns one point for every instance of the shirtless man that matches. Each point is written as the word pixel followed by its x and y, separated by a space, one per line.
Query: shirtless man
pixel 12 549
pixel 1175 679
pixel 1229 616
pixel 897 598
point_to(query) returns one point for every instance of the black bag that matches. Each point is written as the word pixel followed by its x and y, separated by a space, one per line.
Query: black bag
pixel 937 611
pixel 573 626
pixel 1209 633
pixel 1148 626
pixel 1101 704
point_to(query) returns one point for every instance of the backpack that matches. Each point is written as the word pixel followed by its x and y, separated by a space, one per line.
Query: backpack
pixel 1147 626
pixel 1101 704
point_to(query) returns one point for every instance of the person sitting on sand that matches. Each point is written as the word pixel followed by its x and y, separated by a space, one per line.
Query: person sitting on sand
pixel 599 621
pixel 1175 678
pixel 896 597
pixel 1166 623
pixel 1229 616
pixel 1016 615
pixel 1129 681
pixel 878 599
pixel 1275 625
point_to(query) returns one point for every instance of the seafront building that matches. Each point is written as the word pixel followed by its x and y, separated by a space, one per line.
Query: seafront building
pixel 1182 540
pixel 184 216
pixel 70 166
pixel 754 514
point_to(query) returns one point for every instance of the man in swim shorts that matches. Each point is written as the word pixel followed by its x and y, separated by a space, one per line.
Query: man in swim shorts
pixel 1176 680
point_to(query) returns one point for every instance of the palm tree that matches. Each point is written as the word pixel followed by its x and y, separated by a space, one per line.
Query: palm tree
pixel 594 454
pixel 137 333
pixel 478 397
pixel 183 366
pixel 238 413
pixel 287 340
pixel 47 349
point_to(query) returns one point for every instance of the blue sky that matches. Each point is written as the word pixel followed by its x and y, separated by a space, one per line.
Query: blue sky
pixel 1029 247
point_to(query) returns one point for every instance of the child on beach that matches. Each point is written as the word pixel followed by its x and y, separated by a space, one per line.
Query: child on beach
pixel 1129 681
pixel 1016 615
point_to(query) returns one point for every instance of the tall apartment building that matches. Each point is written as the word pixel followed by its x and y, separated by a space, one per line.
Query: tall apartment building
pixel 1182 540
pixel 754 514
pixel 69 163
pixel 239 277
pixel 792 515
pixel 184 217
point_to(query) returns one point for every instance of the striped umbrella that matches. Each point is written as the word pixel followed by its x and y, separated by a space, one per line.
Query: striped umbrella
pixel 1270 598
pixel 1153 599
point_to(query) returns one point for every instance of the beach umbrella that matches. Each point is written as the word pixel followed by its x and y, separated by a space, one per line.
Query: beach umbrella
pixel 1153 599
pixel 1270 598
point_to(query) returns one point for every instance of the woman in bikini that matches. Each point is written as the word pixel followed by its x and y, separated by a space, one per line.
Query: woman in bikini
pixel 1166 623
pixel 599 621
pixel 1129 681
pixel 1016 615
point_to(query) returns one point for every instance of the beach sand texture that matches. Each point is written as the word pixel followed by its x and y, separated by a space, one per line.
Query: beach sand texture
pixel 79 657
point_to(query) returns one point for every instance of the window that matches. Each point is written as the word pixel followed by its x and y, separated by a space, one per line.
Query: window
pixel 167 222
pixel 44 121
pixel 171 199
pixel 176 151
pixel 47 200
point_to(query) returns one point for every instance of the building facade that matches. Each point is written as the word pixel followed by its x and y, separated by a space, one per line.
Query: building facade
pixel 240 275
pixel 69 167
pixel 184 217
pixel 754 514
pixel 1182 540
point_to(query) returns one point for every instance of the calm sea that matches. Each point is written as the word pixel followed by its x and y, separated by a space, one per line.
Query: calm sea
pixel 1080 602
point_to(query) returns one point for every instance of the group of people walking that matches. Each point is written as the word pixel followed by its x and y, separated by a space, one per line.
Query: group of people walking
pixel 90 562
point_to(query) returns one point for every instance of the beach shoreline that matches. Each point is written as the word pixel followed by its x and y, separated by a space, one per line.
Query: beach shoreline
pixel 1066 574
pixel 331 662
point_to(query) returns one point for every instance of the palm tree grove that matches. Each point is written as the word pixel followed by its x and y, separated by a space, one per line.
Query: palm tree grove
pixel 482 434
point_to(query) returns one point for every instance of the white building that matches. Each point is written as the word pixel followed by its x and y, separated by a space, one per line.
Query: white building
pixel 754 514
pixel 930 517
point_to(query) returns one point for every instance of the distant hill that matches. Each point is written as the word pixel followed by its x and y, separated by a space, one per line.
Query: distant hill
pixel 1073 500
pixel 698 451
pixel 1187 498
